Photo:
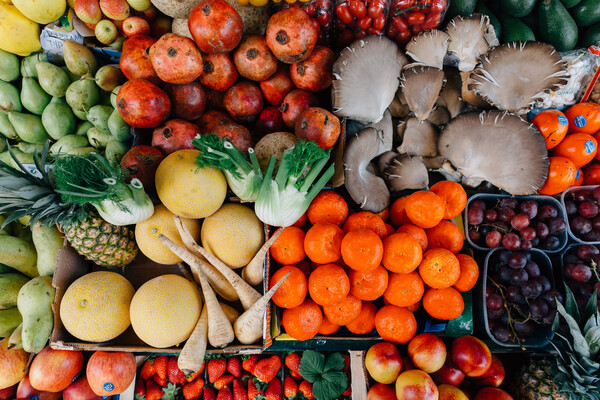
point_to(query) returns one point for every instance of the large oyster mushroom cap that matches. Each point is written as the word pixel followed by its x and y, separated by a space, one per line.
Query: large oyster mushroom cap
pixel 450 97
pixel 514 76
pixel 497 147
pixel 366 78
pixel 406 172
pixel 429 48
pixel 470 38
pixel 420 139
pixel 421 87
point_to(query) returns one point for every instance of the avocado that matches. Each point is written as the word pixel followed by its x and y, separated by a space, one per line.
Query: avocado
pixel 517 8
pixel 464 8
pixel 556 26
pixel 586 13
pixel 531 20
pixel 570 3
pixel 513 29
pixel 485 10
pixel 590 36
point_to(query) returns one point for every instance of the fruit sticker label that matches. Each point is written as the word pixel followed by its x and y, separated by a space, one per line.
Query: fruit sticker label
pixel 590 147
pixel 562 120
pixel 580 121
pixel 108 386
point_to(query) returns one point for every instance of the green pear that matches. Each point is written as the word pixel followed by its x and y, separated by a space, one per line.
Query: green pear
pixel 24 158
pixel 28 64
pixel 52 79
pixel 67 143
pixel 29 147
pixel 82 151
pixel 72 76
pixel 98 115
pixel 9 97
pixel 6 158
pixel 83 127
pixel 98 138
pixel 9 66
pixel 109 77
pixel 118 127
pixel 33 97
pixel 78 58
pixel 6 128
pixel 118 44
pixel 115 150
pixel 113 96
pixel 28 127
pixel 58 119
pixel 83 95
pixel 82 115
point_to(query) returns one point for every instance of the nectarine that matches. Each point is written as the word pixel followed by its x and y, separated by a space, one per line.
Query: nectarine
pixel 449 374
pixel 492 394
pixel 416 385
pixel 384 362
pixel 494 376
pixel 449 392
pixel 379 391
pixel 471 355
pixel 427 352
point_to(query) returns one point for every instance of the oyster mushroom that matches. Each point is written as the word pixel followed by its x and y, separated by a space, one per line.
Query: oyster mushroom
pixel 385 129
pixel 468 94
pixel 368 190
pixel 421 87
pixel 515 75
pixel 420 139
pixel 470 38
pixel 429 48
pixel 439 116
pixel 496 147
pixel 366 75
pixel 384 160
pixel 406 172
pixel 450 95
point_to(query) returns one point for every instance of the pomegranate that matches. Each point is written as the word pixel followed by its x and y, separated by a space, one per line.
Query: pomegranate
pixel 270 120
pixel 215 100
pixel 254 60
pixel 135 59
pixel 318 125
pixel 316 72
pixel 277 86
pixel 215 26
pixel 219 71
pixel 142 104
pixel 188 101
pixel 244 101
pixel 141 162
pixel 176 59
pixel 291 35
pixel 237 134
pixel 175 134
pixel 211 119
pixel 294 103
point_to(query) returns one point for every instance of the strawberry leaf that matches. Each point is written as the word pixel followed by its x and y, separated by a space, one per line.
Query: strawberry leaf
pixel 335 362
pixel 312 365
pixel 330 385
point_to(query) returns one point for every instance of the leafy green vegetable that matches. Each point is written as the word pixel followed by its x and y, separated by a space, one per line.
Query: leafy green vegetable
pixel 326 375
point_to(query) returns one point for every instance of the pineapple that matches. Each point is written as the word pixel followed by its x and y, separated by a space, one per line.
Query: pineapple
pixel 575 372
pixel 22 194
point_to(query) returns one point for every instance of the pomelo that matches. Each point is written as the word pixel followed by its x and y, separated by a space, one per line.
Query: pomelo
pixel 164 310
pixel 95 308
pixel 233 234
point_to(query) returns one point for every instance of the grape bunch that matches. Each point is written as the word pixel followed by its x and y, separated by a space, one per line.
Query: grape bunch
pixel 515 224
pixel 582 210
pixel 518 297
pixel 580 265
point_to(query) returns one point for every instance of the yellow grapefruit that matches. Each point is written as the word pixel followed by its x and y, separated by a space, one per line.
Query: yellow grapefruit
pixel 187 190
pixel 164 310
pixel 146 235
pixel 95 308
pixel 233 234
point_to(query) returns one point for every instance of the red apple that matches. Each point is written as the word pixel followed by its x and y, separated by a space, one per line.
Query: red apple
pixel 449 392
pixel 175 134
pixel 494 376
pixel 471 355
pixel 26 391
pixel 384 363
pixel 416 385
pixel 135 26
pixel 54 370
pixel 142 104
pixel 379 391
pixel 13 364
pixel 427 352
pixel 492 394
pixel 80 390
pixel 135 59
pixel 110 373
pixel 449 374
pixel 8 392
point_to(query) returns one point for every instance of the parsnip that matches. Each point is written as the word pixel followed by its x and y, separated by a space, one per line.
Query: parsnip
pixel 220 331
pixel 232 313
pixel 253 272
pixel 191 358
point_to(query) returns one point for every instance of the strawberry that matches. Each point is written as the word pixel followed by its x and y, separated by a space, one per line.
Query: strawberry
pixel 305 388
pixel 290 387
pixel 348 392
pixel 175 374
pixel 225 394
pixel 209 394
pixel 253 391
pixel 148 369
pixel 216 368
pixel 239 391
pixel 346 368
pixel 248 364
pixel 140 388
pixel 234 366
pixel 273 391
pixel 267 368
pixel 223 381
pixel 153 391
pixel 159 381
pixel 160 365
pixel 193 376
pixel 292 362
pixel 170 392
pixel 296 375
pixel 193 390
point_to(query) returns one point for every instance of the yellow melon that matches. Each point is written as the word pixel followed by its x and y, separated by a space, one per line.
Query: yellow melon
pixel 187 190
pixel 233 234
pixel 146 235
pixel 95 308
pixel 164 310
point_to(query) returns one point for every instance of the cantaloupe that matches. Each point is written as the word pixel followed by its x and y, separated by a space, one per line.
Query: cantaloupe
pixel 233 234
pixel 164 310
pixel 95 308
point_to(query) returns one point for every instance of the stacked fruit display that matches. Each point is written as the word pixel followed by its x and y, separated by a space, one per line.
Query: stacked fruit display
pixel 428 371
pixel 580 272
pixel 495 221
pixel 354 260
pixel 519 296
pixel 581 205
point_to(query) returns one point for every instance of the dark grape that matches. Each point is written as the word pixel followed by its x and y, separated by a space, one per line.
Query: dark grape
pixel 494 302
pixel 478 204
pixel 541 230
pixel 484 229
pixel 505 274
pixel 582 195
pixel 544 281
pixel 524 329
pixel 505 214
pixel 580 273
pixel 586 251
pixel 500 227
pixel 520 221
pixel 539 308
pixel 489 290
pixel 474 235
pixel 511 241
pixel 513 294
pixel 528 233
pixel 571 258
pixel 528 255
pixel 491 215
pixel 501 334
pixel 551 296
pixel 519 277
pixel 596 193
pixel 551 243
pixel 556 226
pixel 517 260
pixel 504 256
pixel 547 211
pixel 532 269
pixel 535 242
pixel 571 207
pixel 596 223
pixel 580 225
pixel 568 269
pixel 592 236
pixel 529 207
pixel 509 202
pixel 496 314
pixel 549 319
pixel 475 216
pixel 526 245
pixel 587 209
pixel 493 239
pixel 532 289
